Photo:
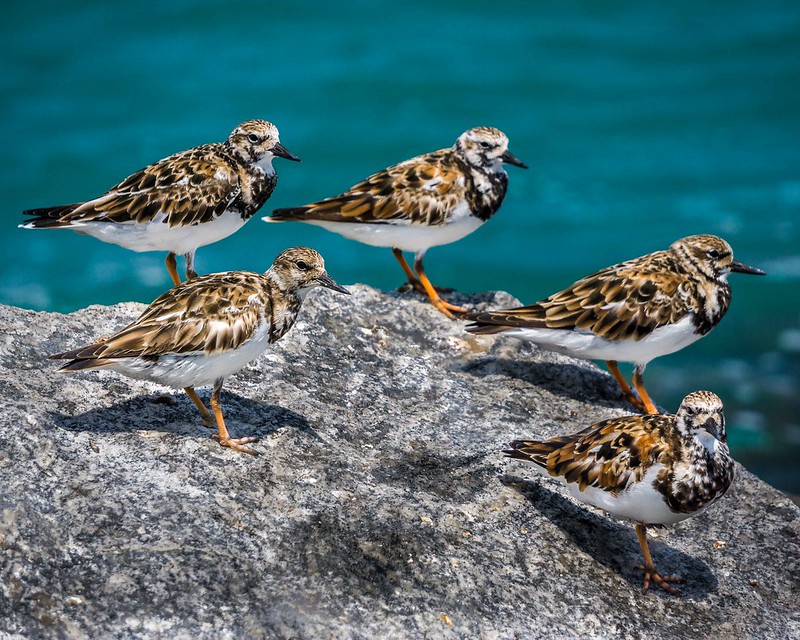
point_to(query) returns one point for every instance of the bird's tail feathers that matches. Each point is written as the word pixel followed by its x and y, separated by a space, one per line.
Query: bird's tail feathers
pixel 50 217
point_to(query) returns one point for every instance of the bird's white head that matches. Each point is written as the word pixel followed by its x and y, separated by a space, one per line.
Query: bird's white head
pixel 257 142
pixel 700 417
pixel 300 269
pixel 485 147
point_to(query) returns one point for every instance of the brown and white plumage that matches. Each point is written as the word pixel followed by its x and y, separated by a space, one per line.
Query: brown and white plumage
pixel 207 328
pixel 429 200
pixel 632 312
pixel 651 469
pixel 182 202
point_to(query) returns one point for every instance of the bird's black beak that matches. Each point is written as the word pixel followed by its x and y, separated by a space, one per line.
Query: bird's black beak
pixel 712 426
pixel 738 267
pixel 283 152
pixel 326 281
pixel 510 158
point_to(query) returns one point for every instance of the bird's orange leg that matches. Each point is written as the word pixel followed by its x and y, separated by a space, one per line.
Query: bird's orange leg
pixel 172 267
pixel 208 421
pixel 224 439
pixel 413 281
pixel 442 305
pixel 638 384
pixel 629 395
pixel 650 573
pixel 190 272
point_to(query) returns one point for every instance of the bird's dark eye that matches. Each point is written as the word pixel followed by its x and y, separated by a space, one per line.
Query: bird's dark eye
pixel 253 137
pixel 303 265
pixel 714 254
pixel 485 144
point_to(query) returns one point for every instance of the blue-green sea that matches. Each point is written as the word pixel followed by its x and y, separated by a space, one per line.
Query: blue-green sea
pixel 641 123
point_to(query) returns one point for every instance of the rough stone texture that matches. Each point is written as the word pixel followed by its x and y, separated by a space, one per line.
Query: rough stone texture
pixel 380 506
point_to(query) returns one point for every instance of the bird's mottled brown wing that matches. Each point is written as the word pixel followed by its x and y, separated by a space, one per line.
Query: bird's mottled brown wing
pixel 626 301
pixel 423 190
pixel 184 189
pixel 608 455
pixel 207 315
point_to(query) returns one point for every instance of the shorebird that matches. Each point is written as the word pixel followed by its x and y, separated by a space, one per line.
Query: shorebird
pixel 651 469
pixel 207 328
pixel 188 200
pixel 631 312
pixel 424 202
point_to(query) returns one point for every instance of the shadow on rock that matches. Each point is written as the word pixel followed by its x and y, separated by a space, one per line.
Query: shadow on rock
pixel 175 413
pixel 371 554
pixel 613 543
pixel 423 467
pixel 567 380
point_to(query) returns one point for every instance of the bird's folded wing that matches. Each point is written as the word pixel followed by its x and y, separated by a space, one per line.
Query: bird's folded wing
pixel 206 315
pixel 420 190
pixel 616 303
pixel 608 455
pixel 182 190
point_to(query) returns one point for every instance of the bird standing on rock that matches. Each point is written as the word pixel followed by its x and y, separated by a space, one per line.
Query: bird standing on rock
pixel 207 328
pixel 651 469
pixel 630 312
pixel 424 202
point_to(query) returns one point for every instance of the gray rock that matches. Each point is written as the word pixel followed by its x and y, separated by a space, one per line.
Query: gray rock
pixel 380 506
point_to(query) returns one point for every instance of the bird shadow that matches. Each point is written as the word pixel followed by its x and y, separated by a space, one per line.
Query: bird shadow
pixel 175 413
pixel 567 380
pixel 612 543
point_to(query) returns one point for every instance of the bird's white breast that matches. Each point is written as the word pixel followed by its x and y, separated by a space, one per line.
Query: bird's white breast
pixel 640 502
pixel 196 369
pixel 406 235
pixel 586 345
pixel 158 236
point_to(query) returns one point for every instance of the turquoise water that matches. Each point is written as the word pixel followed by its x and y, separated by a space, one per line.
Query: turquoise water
pixel 641 123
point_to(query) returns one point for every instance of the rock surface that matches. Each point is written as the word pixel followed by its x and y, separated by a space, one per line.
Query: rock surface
pixel 380 506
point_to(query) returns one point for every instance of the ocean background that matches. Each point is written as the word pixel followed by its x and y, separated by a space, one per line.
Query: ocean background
pixel 641 122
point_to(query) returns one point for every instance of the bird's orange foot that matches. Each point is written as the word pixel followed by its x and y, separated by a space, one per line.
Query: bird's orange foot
pixel 237 444
pixel 417 287
pixel 651 575
pixel 450 310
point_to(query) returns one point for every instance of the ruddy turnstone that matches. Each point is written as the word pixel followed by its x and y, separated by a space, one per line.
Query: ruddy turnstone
pixel 651 469
pixel 630 312
pixel 183 202
pixel 209 327
pixel 424 202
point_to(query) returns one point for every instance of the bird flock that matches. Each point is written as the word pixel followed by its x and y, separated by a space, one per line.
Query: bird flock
pixel 651 468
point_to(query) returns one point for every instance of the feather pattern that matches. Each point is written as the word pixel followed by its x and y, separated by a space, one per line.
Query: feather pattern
pixel 654 469
pixel 187 189
pixel 426 190
pixel 181 190
pixel 207 317
pixel 630 300
pixel 609 455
